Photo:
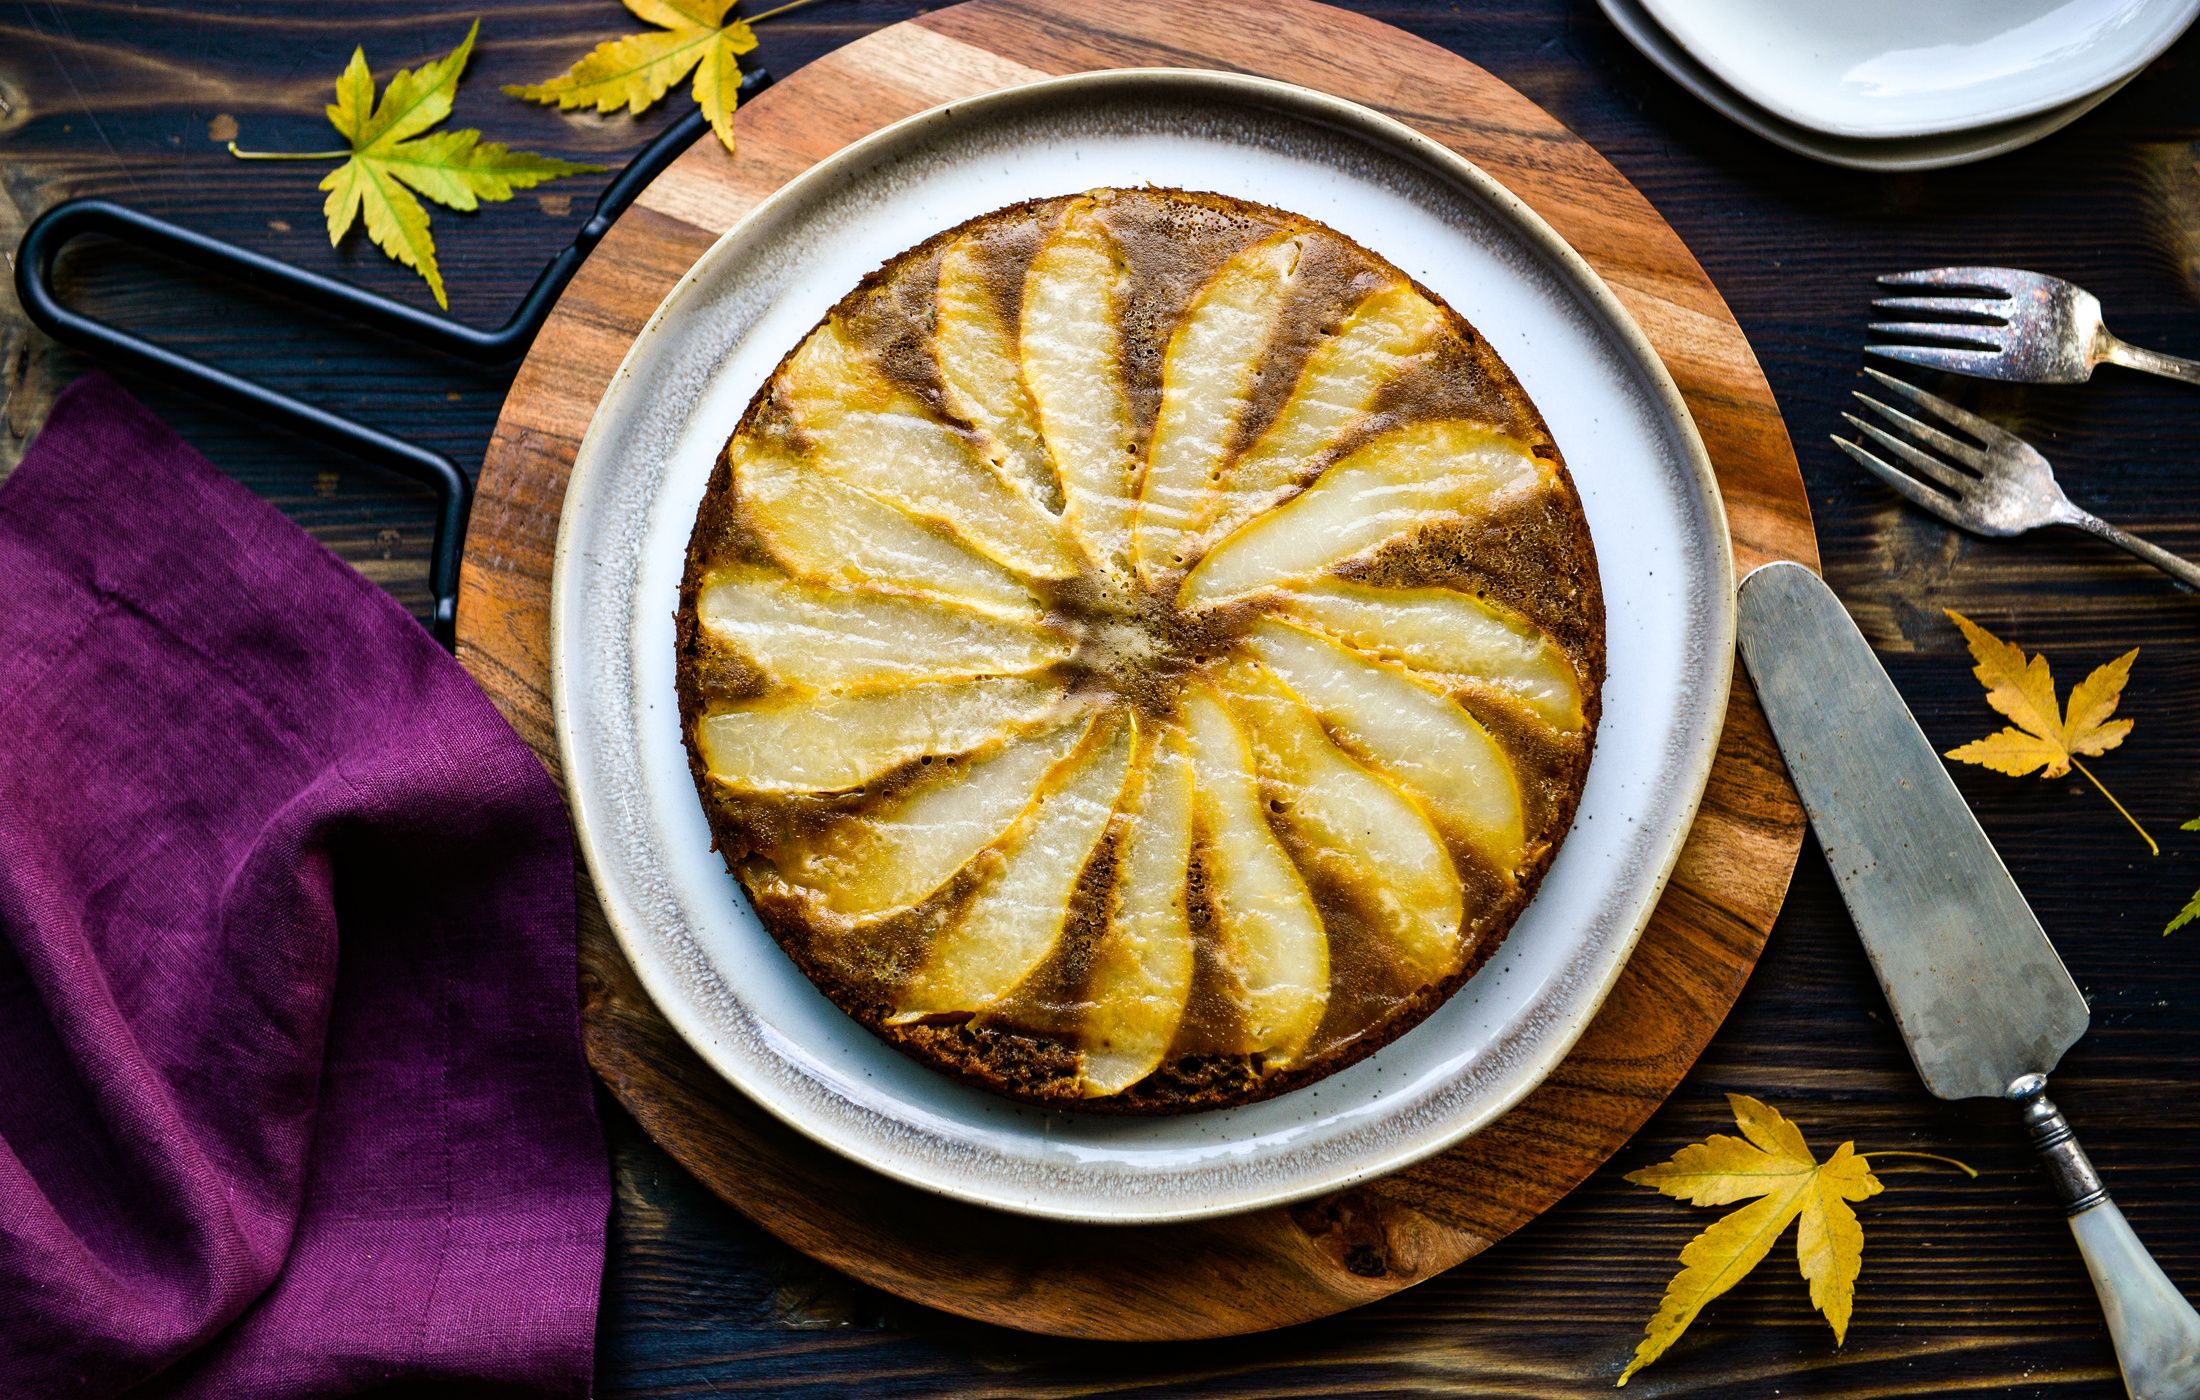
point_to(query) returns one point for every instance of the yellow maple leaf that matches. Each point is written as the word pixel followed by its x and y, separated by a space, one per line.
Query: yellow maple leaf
pixel 1772 1167
pixel 634 71
pixel 392 153
pixel 2042 737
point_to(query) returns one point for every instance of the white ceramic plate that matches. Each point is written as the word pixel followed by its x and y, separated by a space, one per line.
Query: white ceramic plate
pixel 1877 69
pixel 1652 504
pixel 1897 154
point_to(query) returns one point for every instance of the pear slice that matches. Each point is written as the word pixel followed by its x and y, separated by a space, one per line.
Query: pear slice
pixel 1268 926
pixel 1440 631
pixel 1142 969
pixel 1337 387
pixel 795 741
pixel 826 533
pixel 1391 486
pixel 979 373
pixel 866 433
pixel 1366 836
pixel 1016 918
pixel 874 864
pixel 1414 735
pixel 1071 343
pixel 838 639
pixel 1207 377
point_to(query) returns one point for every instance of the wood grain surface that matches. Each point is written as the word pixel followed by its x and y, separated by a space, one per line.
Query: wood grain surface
pixel 1284 1265
pixel 1968 1287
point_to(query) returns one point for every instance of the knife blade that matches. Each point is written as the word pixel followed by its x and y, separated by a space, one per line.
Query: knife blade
pixel 1983 1002
pixel 1976 988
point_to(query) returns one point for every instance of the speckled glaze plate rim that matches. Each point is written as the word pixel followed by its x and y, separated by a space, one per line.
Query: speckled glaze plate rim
pixel 614 824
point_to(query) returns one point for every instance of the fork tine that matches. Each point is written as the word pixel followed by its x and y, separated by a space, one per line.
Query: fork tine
pixel 1917 491
pixel 1958 331
pixel 1926 433
pixel 1986 432
pixel 1996 307
pixel 1978 362
pixel 1992 279
pixel 1925 462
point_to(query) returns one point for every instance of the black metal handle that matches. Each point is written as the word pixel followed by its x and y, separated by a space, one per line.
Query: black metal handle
pixel 52 230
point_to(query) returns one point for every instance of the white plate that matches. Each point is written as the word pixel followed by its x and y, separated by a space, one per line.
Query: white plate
pixel 1912 153
pixel 1652 504
pixel 1877 69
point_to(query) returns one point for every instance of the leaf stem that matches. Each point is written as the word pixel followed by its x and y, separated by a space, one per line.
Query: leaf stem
pixel 780 10
pixel 2117 805
pixel 1963 1167
pixel 286 155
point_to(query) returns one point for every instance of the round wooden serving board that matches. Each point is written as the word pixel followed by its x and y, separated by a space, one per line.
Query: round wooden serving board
pixel 1273 1267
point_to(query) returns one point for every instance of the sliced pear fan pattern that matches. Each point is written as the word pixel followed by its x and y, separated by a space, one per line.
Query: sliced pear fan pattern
pixel 1136 692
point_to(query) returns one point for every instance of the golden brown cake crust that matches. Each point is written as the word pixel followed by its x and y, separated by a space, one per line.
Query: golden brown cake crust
pixel 1533 557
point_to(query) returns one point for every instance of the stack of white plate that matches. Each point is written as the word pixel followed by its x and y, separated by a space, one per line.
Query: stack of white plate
pixel 1902 84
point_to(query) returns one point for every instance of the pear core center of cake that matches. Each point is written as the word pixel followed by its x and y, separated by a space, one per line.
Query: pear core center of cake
pixel 1134 640
pixel 1122 645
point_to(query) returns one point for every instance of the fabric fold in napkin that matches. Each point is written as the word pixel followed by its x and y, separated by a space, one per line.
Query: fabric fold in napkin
pixel 292 1100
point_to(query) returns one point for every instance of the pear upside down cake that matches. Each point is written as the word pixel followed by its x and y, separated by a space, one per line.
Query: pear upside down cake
pixel 1140 651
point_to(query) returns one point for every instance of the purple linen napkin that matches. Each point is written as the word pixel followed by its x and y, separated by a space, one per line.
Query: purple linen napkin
pixel 292 1100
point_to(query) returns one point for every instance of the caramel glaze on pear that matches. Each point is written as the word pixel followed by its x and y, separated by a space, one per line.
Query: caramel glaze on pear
pixel 1270 735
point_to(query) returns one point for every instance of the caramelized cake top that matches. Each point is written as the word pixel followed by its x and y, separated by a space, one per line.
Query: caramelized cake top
pixel 1140 649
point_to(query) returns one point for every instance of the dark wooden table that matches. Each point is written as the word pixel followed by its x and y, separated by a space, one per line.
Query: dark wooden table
pixel 1968 1286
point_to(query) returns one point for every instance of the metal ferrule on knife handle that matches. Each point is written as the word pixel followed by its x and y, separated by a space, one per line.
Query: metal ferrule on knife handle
pixel 2068 1168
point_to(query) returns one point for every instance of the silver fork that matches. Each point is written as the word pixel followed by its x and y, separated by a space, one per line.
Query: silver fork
pixel 1997 484
pixel 2038 329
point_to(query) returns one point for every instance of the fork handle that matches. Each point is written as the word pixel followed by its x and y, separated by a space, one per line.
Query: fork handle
pixel 2118 352
pixel 2184 571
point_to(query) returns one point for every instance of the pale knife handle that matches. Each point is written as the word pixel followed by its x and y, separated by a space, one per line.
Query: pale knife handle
pixel 2157 1333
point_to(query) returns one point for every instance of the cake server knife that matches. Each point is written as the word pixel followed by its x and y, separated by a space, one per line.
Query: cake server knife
pixel 1984 1004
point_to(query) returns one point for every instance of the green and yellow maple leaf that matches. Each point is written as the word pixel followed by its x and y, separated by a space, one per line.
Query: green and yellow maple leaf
pixel 2185 915
pixel 2191 910
pixel 1771 1167
pixel 635 70
pixel 2042 737
pixel 393 154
